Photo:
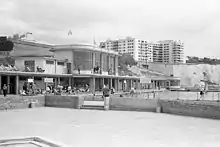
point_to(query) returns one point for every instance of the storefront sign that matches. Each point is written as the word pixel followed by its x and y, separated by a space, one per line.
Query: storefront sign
pixel 30 80
pixel 48 80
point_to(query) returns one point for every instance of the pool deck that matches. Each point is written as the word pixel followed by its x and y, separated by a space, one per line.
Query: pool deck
pixel 83 128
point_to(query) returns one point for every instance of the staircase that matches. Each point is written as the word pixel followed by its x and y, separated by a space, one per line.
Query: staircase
pixel 93 105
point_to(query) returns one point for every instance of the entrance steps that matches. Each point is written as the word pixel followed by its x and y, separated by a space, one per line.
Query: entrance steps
pixel 94 105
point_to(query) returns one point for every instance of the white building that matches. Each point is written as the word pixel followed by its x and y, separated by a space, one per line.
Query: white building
pixel 168 51
pixel 141 50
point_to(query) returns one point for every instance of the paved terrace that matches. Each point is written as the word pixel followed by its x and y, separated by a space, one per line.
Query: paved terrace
pixel 83 128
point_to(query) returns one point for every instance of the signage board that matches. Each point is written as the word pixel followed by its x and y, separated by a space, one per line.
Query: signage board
pixel 48 80
pixel 30 80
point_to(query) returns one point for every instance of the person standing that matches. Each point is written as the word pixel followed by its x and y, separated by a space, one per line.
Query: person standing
pixel 5 89
pixel 106 97
pixel 79 69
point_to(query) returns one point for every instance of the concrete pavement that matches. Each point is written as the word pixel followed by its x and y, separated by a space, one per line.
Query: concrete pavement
pixel 83 128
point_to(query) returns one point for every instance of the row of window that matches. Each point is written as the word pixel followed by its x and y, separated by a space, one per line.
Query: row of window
pixel 52 62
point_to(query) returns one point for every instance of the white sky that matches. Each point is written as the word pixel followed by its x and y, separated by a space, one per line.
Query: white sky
pixel 196 22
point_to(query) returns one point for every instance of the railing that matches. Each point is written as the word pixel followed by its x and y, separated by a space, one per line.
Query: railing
pixel 159 94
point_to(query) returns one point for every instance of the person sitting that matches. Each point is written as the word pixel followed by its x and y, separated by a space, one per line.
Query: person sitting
pixel 112 90
pixel 87 88
pixel 97 67
pixel 109 71
pixel 40 69
pixel 27 69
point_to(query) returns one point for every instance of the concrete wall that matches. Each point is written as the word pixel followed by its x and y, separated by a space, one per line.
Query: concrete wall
pixel 62 55
pixel 60 69
pixel 133 104
pixel 63 101
pixel 22 102
pixel 204 109
pixel 49 68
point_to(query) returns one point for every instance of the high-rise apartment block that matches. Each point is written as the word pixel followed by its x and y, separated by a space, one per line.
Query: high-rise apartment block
pixel 168 51
pixel 141 50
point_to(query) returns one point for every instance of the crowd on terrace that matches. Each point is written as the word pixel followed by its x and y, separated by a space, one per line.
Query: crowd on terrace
pixel 34 89
pixel 8 68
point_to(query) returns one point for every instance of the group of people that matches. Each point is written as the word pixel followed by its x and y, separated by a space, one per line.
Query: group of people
pixel 66 89
pixel 8 68
pixel 30 89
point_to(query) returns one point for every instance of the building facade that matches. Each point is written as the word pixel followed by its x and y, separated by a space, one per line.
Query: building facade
pixel 168 51
pixel 97 68
pixel 141 50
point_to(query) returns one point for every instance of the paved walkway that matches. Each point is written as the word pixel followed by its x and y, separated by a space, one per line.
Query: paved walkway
pixel 83 128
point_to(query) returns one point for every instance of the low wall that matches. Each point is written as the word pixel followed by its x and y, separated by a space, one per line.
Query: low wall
pixel 63 101
pixel 133 104
pixel 204 109
pixel 22 102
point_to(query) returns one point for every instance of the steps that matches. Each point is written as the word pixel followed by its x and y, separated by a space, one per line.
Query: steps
pixel 93 105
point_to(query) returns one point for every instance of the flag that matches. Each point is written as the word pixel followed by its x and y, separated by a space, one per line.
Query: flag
pixel 70 32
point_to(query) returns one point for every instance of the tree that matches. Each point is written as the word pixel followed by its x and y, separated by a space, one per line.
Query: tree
pixel 204 60
pixel 14 37
pixel 126 59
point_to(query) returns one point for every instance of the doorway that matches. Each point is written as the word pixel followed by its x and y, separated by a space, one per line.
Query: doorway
pixel 4 81
pixel 12 85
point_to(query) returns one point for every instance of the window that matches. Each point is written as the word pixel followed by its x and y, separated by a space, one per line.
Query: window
pixel 49 62
pixel 60 63
pixel 30 65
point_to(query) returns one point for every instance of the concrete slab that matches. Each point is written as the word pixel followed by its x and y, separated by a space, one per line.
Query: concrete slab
pixel 93 103
pixel 83 128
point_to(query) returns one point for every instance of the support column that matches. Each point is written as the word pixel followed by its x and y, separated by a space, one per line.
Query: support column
pixel 58 79
pixel 109 63
pixel 0 82
pixel 130 84
pixel 101 62
pixel 73 83
pixel 116 65
pixel 93 60
pixel 55 82
pixel 117 83
pixel 69 81
pixel 110 83
pixel 43 83
pixel 17 88
pixel 92 84
pixel 103 82
pixel 8 84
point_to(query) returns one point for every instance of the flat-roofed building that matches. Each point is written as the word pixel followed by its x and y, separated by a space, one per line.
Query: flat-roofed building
pixel 168 51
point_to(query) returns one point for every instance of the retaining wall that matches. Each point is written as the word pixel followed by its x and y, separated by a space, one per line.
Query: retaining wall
pixel 22 102
pixel 204 109
pixel 63 101
pixel 133 104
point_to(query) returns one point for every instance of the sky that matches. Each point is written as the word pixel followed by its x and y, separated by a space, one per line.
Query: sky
pixel 195 22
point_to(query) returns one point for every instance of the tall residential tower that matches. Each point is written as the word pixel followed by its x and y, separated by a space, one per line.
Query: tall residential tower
pixel 168 51
pixel 141 50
